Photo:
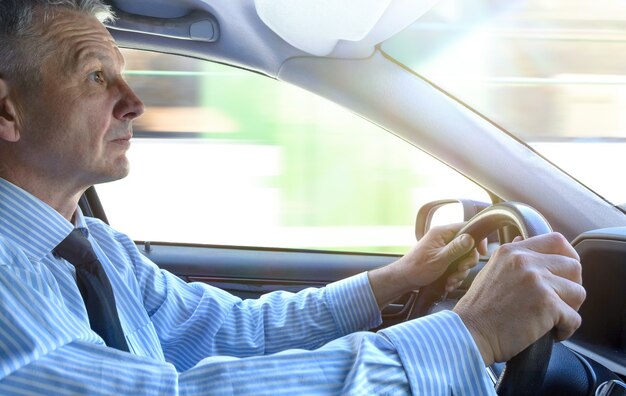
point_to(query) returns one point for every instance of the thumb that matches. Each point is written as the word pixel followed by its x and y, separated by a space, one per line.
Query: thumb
pixel 458 247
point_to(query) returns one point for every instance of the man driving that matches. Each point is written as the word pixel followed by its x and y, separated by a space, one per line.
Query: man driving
pixel 84 312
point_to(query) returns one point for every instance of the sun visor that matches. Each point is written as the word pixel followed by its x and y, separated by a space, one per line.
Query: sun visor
pixel 341 28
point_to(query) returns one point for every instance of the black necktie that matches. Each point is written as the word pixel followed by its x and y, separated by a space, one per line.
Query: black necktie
pixel 95 288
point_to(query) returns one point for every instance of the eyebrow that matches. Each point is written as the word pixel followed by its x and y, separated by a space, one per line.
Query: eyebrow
pixel 84 57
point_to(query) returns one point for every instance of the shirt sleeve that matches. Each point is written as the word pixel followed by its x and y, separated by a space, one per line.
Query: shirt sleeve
pixel 195 320
pixel 440 356
pixel 358 364
pixel 432 356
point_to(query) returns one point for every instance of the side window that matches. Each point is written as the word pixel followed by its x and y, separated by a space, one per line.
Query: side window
pixel 227 157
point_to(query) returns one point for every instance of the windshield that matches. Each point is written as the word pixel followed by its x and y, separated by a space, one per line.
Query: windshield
pixel 552 73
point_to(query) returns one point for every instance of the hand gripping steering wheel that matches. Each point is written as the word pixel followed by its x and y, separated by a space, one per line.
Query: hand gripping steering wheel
pixel 525 372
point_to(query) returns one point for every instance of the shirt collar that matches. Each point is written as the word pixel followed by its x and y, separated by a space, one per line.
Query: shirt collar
pixel 30 223
pixel 80 222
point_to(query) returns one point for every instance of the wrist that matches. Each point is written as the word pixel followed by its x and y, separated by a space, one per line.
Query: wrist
pixel 387 284
pixel 481 341
pixel 402 278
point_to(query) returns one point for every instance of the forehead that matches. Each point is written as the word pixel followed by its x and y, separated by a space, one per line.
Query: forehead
pixel 77 39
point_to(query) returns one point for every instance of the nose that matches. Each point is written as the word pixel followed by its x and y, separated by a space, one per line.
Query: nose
pixel 129 106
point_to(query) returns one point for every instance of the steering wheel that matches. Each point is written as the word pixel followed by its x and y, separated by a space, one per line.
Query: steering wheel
pixel 525 372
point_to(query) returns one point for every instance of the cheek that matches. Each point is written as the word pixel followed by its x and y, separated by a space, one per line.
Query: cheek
pixel 97 129
pixel 71 138
pixel 77 123
pixel 86 127
pixel 97 114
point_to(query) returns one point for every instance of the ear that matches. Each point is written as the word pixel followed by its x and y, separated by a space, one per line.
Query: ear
pixel 8 116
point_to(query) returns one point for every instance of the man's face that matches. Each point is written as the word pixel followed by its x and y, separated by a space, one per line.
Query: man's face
pixel 76 125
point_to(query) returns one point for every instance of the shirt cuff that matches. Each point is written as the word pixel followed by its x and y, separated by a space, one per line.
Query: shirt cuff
pixel 353 304
pixel 439 356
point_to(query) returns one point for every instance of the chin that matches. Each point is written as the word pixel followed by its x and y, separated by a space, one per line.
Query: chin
pixel 121 173
pixel 117 172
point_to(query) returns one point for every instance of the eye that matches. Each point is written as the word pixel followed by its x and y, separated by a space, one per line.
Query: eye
pixel 97 76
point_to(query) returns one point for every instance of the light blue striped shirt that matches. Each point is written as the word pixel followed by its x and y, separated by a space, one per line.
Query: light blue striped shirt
pixel 192 339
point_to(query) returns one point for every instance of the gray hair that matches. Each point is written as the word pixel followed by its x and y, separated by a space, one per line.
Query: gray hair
pixel 22 48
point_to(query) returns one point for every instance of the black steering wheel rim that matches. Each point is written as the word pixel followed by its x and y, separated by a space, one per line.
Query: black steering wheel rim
pixel 525 372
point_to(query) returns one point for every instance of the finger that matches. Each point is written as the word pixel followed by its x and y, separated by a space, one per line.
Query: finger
pixel 447 232
pixel 483 247
pixel 457 277
pixel 572 293
pixel 552 243
pixel 565 267
pixel 454 286
pixel 567 323
pixel 518 238
pixel 457 248
pixel 468 261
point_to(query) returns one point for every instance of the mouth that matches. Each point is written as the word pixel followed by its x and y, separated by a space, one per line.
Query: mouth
pixel 123 141
pixel 123 136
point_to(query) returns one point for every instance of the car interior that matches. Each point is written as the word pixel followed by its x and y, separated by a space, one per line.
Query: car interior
pixel 325 50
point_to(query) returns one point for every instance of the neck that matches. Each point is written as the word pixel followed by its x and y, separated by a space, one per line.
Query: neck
pixel 58 194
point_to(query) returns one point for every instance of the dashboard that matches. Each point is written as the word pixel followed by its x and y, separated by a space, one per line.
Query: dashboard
pixel 602 335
